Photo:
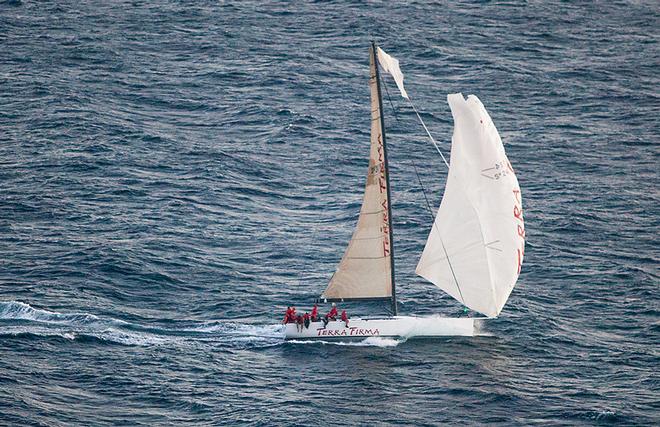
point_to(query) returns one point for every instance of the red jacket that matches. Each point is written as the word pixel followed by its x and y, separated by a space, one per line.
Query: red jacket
pixel 315 312
pixel 344 316
pixel 333 312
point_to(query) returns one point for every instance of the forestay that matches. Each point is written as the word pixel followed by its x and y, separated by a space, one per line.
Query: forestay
pixel 475 248
pixel 365 270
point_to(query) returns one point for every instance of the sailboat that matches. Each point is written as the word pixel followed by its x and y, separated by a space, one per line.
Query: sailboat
pixel 475 248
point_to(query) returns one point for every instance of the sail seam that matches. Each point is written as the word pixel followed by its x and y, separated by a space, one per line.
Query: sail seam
pixel 366 257
pixel 372 213
pixel 457 251
pixel 367 238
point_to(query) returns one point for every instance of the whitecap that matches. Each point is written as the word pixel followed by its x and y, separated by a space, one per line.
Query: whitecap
pixel 367 342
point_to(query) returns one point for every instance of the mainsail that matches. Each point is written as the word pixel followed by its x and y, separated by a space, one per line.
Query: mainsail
pixel 476 245
pixel 366 270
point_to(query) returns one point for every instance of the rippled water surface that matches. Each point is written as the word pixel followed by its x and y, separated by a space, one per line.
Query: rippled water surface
pixel 174 174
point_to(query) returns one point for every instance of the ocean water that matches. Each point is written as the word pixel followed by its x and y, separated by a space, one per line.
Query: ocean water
pixel 173 174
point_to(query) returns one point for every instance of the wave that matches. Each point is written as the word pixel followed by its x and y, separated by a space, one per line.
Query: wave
pixel 20 311
pixel 239 329
pixel 21 319
pixel 105 336
pixel 480 329
pixel 367 342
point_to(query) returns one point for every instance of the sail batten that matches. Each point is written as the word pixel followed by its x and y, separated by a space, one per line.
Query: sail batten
pixel 366 269
pixel 476 245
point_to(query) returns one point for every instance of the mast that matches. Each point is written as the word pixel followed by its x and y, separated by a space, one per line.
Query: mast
pixel 387 176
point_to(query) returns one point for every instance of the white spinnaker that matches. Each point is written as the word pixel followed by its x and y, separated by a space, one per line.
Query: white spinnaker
pixel 365 269
pixel 475 248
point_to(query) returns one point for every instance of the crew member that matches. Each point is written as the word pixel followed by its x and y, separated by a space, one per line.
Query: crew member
pixel 332 314
pixel 344 317
pixel 299 323
pixel 315 313
pixel 306 319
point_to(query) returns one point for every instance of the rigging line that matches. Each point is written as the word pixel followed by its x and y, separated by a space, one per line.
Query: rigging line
pixel 428 207
pixel 387 91
pixel 419 179
pixel 427 132
pixel 388 308
pixel 412 161
pixel 451 268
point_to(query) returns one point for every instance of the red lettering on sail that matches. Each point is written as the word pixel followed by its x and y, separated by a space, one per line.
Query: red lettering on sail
pixel 382 185
pixel 516 193
pixel 385 229
pixel 517 212
pixel 520 228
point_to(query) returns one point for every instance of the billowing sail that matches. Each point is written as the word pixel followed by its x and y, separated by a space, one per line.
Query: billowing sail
pixel 475 248
pixel 365 270
pixel 391 65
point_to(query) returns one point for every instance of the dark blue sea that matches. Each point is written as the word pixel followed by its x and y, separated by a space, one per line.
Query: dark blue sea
pixel 174 174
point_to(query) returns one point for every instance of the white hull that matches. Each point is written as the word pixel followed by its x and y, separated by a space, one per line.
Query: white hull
pixel 391 327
